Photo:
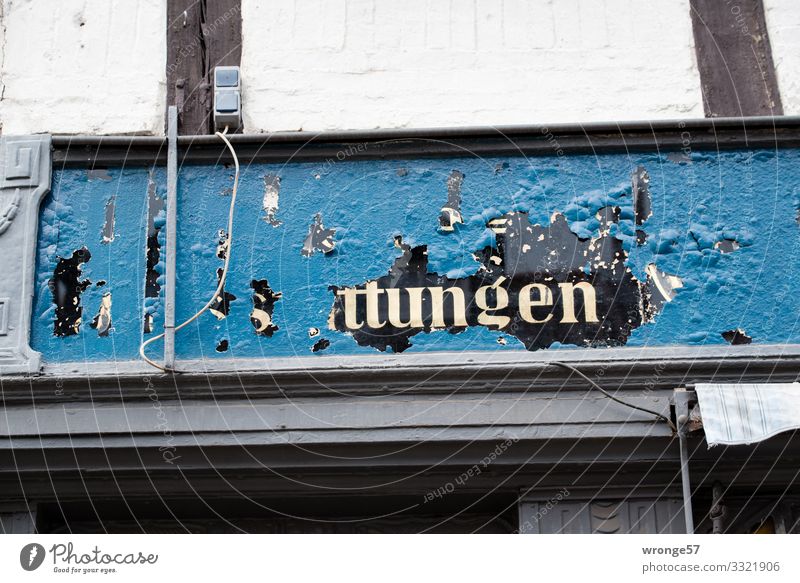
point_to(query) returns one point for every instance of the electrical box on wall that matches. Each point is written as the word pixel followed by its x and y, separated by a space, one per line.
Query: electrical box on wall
pixel 227 98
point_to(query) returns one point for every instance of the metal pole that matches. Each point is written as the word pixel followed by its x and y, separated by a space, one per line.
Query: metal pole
pixel 172 221
pixel 687 487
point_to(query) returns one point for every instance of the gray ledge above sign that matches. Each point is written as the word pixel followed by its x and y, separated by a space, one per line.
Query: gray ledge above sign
pixel 24 181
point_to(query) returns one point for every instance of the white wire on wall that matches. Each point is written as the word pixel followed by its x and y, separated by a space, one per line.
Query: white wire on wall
pixel 223 276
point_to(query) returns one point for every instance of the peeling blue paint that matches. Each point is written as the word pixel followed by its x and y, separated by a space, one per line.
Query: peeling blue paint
pixel 749 197
pixel 75 211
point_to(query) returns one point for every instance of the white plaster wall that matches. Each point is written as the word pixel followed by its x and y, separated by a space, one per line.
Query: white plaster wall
pixel 331 64
pixel 2 58
pixel 783 25
pixel 83 66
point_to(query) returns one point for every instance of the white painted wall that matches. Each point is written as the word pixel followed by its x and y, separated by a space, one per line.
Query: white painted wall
pixel 98 66
pixel 331 64
pixel 83 66
pixel 2 57
pixel 783 24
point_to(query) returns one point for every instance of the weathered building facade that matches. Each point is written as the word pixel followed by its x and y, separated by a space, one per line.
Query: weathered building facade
pixel 456 329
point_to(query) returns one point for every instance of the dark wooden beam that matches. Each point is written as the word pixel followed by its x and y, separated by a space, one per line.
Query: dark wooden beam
pixel 201 34
pixel 737 74
pixel 186 75
pixel 222 30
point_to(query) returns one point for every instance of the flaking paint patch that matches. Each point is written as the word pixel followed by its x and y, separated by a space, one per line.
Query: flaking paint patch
pixel 318 239
pixel 264 299
pixel 736 336
pixel 727 245
pixel 608 216
pixel 67 287
pixel 320 345
pixel 107 234
pixel 222 303
pixel 102 320
pixel 221 306
pixel 450 214
pixel 152 287
pixel 660 288
pixel 222 345
pixel 642 202
pixel 222 245
pixel 272 191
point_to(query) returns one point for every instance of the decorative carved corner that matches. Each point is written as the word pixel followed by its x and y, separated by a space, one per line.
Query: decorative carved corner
pixel 25 167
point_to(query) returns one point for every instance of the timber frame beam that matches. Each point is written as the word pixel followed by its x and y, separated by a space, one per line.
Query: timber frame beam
pixel 201 35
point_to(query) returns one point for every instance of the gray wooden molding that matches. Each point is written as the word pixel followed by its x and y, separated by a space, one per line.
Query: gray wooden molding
pixel 657 368
pixel 337 419
pixel 24 181
pixel 60 467
pixel 700 134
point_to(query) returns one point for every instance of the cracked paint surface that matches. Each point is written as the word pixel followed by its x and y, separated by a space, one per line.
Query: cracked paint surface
pixel 697 202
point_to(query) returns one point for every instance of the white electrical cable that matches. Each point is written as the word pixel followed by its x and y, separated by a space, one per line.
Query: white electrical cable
pixel 229 246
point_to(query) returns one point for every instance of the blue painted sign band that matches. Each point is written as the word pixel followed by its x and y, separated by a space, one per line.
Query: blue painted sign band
pixel 714 233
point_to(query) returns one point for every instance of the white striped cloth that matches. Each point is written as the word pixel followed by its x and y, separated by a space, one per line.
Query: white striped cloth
pixel 741 414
